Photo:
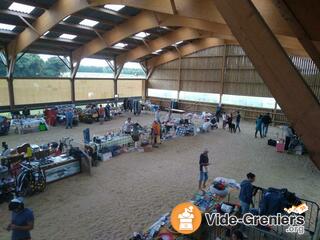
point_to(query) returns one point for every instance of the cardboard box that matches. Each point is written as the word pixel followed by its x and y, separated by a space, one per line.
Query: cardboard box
pixel 105 156
pixel 147 148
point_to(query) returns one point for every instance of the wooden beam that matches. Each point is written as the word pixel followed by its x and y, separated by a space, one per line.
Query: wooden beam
pixel 117 72
pixel 173 6
pixel 74 69
pixel 179 75
pixel 146 20
pixel 110 65
pixel 197 14
pixel 204 10
pixel 223 70
pixel 276 69
pixel 29 25
pixel 11 62
pixel 185 50
pixel 150 72
pixel 166 40
pixel 31 17
pixel 46 21
pixel 299 30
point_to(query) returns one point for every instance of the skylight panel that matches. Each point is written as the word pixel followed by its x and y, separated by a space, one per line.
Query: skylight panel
pixel 8 27
pixel 68 36
pixel 142 34
pixel 46 33
pixel 177 43
pixel 19 7
pixel 120 45
pixel 88 22
pixel 114 7
pixel 65 18
pixel 157 52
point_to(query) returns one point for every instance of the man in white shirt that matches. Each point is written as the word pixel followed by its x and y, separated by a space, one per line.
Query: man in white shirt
pixel 127 126
pixel 206 125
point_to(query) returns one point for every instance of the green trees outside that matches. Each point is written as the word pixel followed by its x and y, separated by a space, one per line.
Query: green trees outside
pixel 32 65
pixel 3 70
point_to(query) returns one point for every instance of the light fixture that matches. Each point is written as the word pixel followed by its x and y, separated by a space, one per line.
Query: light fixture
pixel 68 36
pixel 19 7
pixel 142 34
pixel 157 52
pixel 120 45
pixel 8 27
pixel 114 7
pixel 88 22
pixel 65 18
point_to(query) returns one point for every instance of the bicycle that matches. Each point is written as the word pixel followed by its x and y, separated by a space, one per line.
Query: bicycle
pixel 66 143
pixel 30 180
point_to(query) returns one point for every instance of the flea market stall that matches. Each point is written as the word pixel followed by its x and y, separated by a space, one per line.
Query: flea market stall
pixel 24 125
pixel 28 168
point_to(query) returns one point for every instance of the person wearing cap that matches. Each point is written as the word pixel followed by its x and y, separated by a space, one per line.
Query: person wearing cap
pixel 22 220
pixel 203 163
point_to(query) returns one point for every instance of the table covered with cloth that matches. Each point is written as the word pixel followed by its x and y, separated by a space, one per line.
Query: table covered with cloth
pixel 26 124
pixel 105 141
pixel 208 201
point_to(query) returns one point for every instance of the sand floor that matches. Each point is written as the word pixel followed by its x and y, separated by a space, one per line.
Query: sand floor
pixel 131 191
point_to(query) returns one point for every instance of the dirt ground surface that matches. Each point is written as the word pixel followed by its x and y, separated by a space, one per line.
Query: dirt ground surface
pixel 131 191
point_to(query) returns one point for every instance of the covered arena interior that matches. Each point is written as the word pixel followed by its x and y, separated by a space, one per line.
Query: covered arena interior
pixel 252 56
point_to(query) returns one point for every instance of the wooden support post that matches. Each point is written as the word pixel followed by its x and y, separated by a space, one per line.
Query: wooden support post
pixel 115 82
pixel 179 78
pixel 117 73
pixel 74 69
pixel 274 113
pixel 276 69
pixel 223 70
pixel 150 72
pixel 110 65
pixel 11 92
pixel 11 62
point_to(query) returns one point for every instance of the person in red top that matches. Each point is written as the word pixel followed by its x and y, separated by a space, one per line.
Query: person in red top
pixel 101 114
pixel 155 132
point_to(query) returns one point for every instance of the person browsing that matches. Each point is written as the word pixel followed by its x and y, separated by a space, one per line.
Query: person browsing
pixel 203 164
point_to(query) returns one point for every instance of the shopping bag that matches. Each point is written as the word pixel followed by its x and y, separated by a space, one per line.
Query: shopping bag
pixel 280 145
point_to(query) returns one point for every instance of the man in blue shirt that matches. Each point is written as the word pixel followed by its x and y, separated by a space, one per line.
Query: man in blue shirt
pixel 259 126
pixel 69 118
pixel 22 220
pixel 246 192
